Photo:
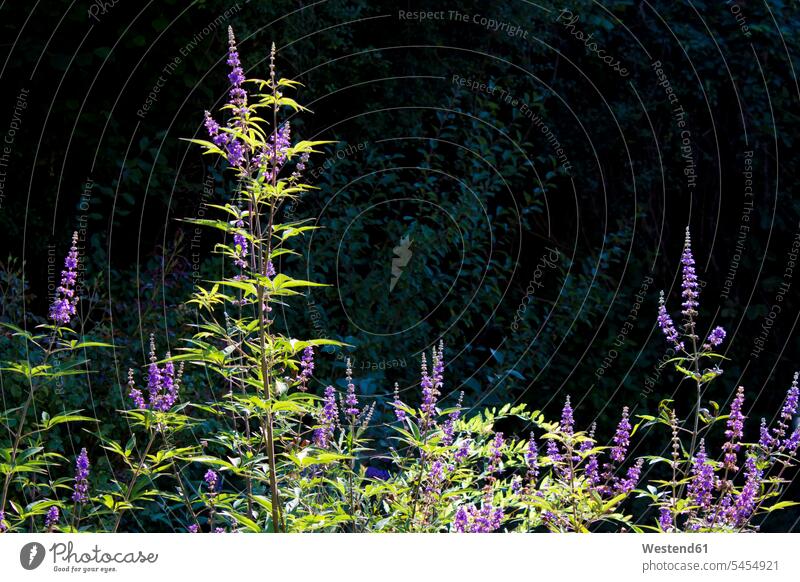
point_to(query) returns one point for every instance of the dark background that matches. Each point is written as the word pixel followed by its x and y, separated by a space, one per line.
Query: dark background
pixel 469 177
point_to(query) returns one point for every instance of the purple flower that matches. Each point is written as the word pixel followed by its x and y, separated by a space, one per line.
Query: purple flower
pixel 194 528
pixel 735 430
pixel 702 479
pixel 350 400
pixel 496 453
pixel 81 489
pixel 666 324
pixel 162 384
pixel 621 438
pixel 52 517
pixel 553 453
pixel 715 338
pixel 448 428
pixel 473 520
pixel 235 152
pixel 462 452
pixel 690 287
pixel 790 404
pixel 461 522
pixel 240 246
pixel 375 473
pixel 793 441
pixel 532 459
pixel 3 526
pixel 746 501
pixel 327 422
pixel 306 368
pixel 218 137
pixel 567 419
pixel 236 76
pixel 274 156
pixel 64 306
pixel 627 484
pixel 399 413
pixel 665 519
pixel 212 481
pixel 592 470
pixel 765 439
pixel 429 393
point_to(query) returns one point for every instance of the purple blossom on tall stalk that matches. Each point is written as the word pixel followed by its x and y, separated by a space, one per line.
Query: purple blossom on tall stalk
pixel 553 453
pixel 351 400
pixel 240 246
pixel 621 438
pixel 64 306
pixel 81 488
pixel 194 528
pixel 212 481
pixel 429 394
pixel 52 517
pixel 462 452
pixel 399 413
pixel 236 76
pixel 765 439
pixel 790 404
pixel 628 483
pixel 746 500
pixel 592 470
pixel 689 285
pixel 735 431
pixel 3 526
pixel 275 155
pixel 496 453
pixel 586 445
pixel 306 368
pixel 448 428
pixel 702 482
pixel 218 137
pixel 715 338
pixel 474 520
pixel 567 418
pixel 162 384
pixel 665 519
pixel 666 324
pixel 327 422
pixel 532 459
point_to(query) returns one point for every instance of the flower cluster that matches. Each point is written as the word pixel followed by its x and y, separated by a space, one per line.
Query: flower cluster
pixel 163 384
pixel 81 488
pixel 64 306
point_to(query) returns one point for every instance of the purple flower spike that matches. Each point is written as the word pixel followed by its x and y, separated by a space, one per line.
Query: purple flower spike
pixel 350 401
pixel 790 404
pixel 194 528
pixel 665 519
pixel 627 484
pixel 429 394
pixel 399 413
pixel 52 517
pixel 666 324
pixel 3 526
pixel 64 306
pixel 622 438
pixel 746 501
pixel 496 453
pixel 240 246
pixel 702 479
pixel 212 481
pixel 715 338
pixel 690 287
pixel 735 431
pixel 81 488
pixel 236 76
pixel 327 421
pixel 567 419
pixel 462 452
pixel 306 368
pixel 532 459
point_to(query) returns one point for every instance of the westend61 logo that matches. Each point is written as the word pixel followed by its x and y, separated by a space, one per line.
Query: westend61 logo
pixel 66 559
